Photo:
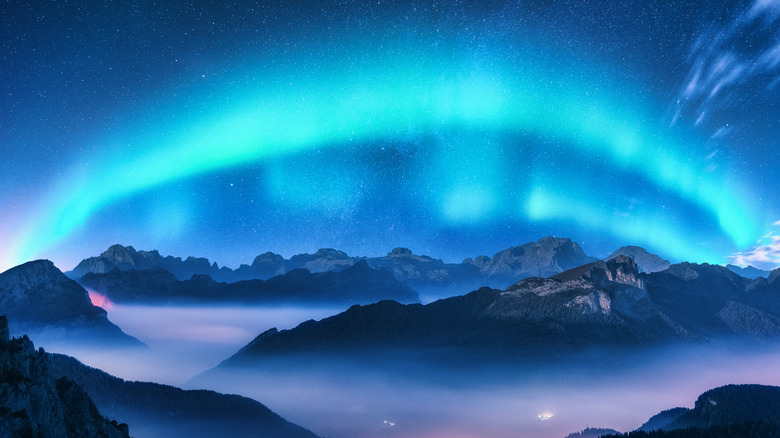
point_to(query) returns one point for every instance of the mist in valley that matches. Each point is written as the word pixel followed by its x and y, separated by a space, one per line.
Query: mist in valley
pixel 183 340
pixel 391 394
pixel 393 397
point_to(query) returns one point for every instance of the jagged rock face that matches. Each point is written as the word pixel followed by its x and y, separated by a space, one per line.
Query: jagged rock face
pixel 548 256
pixel 34 402
pixel 603 305
pixel 624 270
pixel 597 305
pixel 646 261
pixel 621 270
pixel 37 297
pixel 325 259
pixel 127 258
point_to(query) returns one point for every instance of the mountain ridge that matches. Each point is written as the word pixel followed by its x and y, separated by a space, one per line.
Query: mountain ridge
pixel 729 410
pixel 38 298
pixel 603 304
pixel 425 274
pixel 358 283
pixel 163 410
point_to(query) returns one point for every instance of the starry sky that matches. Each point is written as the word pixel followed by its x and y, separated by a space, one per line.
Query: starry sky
pixel 227 129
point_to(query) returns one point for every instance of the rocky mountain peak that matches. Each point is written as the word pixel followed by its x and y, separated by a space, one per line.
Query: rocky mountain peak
pixel 621 269
pixel 552 240
pixel 32 274
pixel 330 253
pixel 396 252
pixel 120 254
pixel 624 270
pixel 37 297
pixel 545 257
pixel 646 261
pixel 267 258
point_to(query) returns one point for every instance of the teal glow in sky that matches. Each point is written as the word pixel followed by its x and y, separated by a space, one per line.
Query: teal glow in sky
pixel 417 136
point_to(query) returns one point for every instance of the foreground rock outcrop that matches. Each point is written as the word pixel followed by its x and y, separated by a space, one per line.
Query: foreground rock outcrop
pixel 40 301
pixel 35 402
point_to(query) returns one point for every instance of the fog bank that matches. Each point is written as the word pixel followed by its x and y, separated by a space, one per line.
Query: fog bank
pixel 399 398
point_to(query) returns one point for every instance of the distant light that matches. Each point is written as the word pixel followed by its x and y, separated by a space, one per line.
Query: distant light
pixel 544 416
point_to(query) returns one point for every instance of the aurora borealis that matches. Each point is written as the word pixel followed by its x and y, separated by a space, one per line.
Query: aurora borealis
pixel 456 129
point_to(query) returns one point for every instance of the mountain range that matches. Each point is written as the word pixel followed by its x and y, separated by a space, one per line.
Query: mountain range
pixel 600 305
pixel 358 283
pixel 577 307
pixel 41 301
pixel 547 256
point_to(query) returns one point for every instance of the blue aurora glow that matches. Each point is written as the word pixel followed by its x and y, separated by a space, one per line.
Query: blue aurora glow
pixel 485 138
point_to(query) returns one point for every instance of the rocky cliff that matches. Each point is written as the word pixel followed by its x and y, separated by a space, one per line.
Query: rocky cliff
pixel 34 402
pixel 41 301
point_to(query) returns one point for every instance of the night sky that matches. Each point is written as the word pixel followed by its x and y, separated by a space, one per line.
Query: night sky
pixel 227 129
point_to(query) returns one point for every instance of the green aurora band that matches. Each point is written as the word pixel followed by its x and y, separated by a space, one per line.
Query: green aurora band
pixel 455 99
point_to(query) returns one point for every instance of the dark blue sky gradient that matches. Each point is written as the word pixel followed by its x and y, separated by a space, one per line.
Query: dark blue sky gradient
pixel 227 129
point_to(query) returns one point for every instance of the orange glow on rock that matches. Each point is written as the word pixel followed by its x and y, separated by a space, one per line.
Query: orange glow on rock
pixel 100 300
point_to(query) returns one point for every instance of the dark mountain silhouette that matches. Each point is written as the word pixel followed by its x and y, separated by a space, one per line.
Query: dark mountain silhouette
pixel 731 404
pixel 39 299
pixel 727 411
pixel 53 395
pixel 161 410
pixel 662 419
pixel 591 432
pixel 714 301
pixel 37 402
pixel 646 261
pixel 748 271
pixel 358 283
pixel 600 305
pixel 424 274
